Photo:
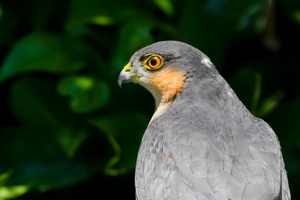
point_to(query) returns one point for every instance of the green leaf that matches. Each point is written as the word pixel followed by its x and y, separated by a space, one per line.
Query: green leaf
pixel 4 177
pixel 36 152
pixel 232 10
pixel 1 12
pixel 257 93
pixel 70 140
pixel 297 15
pixel 216 21
pixel 165 5
pixel 292 163
pixel 42 52
pixel 284 121
pixel 34 144
pixel 270 104
pixel 100 12
pixel 87 93
pixel 38 162
pixel 250 81
pixel 124 132
pixel 12 192
pixel 253 17
pixel 132 37
pixel 35 102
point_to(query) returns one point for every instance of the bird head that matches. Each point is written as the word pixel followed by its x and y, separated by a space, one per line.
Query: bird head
pixel 163 68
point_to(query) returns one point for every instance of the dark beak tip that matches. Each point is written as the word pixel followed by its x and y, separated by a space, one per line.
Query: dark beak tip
pixel 120 83
pixel 124 77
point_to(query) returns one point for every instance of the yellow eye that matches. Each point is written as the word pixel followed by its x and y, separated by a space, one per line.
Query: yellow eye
pixel 154 62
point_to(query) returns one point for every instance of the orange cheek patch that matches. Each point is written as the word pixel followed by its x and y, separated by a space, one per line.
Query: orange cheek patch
pixel 168 82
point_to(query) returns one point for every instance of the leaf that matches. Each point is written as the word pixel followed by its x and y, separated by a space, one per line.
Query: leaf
pixel 4 177
pixel 165 5
pixel 34 102
pixel 253 18
pixel 212 23
pixel 37 160
pixel 42 52
pixel 292 163
pixel 250 81
pixel 70 140
pixel 100 12
pixel 132 37
pixel 33 151
pixel 270 104
pixel 87 93
pixel 232 10
pixel 284 121
pixel 297 15
pixel 12 192
pixel 124 131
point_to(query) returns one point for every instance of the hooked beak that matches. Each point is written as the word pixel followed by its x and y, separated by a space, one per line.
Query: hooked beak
pixel 125 75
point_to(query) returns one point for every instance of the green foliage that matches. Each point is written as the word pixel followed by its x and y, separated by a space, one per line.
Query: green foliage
pixel 87 93
pixel 42 52
pixel 10 192
pixel 65 121
pixel 128 133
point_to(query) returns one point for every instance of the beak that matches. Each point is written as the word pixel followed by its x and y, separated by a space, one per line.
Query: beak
pixel 125 75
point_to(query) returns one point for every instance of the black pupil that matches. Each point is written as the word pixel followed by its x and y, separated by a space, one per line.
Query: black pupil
pixel 153 61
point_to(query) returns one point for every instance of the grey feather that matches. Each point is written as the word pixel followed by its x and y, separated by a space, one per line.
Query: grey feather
pixel 207 145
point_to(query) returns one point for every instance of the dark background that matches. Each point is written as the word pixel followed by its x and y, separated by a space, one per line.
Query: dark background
pixel 68 131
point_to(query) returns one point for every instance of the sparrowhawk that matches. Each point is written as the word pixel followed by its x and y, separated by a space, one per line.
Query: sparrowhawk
pixel 202 143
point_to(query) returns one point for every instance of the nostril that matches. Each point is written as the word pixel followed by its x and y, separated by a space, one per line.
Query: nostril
pixel 127 67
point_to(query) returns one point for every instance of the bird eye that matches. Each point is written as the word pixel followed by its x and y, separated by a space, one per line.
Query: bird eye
pixel 154 62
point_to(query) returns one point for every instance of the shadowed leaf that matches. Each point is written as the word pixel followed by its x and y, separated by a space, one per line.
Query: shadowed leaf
pixel 165 5
pixel 87 93
pixel 284 120
pixel 100 12
pixel 70 140
pixel 270 104
pixel 250 81
pixel 131 38
pixel 39 162
pixel 13 191
pixel 34 101
pixel 124 132
pixel 42 52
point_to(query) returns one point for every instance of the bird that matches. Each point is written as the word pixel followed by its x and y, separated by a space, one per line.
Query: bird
pixel 201 143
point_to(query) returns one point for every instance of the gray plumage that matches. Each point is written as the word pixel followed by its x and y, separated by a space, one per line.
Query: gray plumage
pixel 206 145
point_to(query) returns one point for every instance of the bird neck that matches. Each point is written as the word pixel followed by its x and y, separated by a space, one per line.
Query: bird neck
pixel 166 84
pixel 165 87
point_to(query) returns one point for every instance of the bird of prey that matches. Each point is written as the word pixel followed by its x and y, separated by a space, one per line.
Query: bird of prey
pixel 202 143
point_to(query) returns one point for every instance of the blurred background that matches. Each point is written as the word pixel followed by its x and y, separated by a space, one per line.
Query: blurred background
pixel 67 130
